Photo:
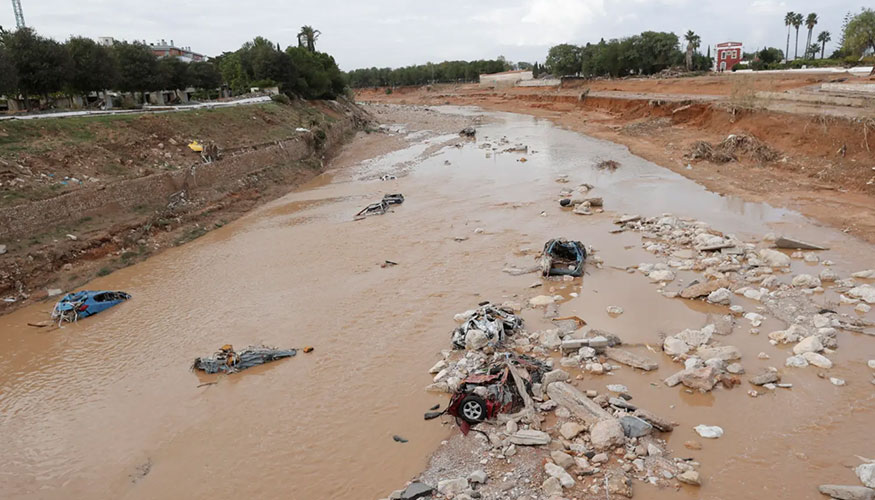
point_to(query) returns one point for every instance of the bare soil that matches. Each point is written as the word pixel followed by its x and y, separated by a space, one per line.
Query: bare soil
pixel 826 170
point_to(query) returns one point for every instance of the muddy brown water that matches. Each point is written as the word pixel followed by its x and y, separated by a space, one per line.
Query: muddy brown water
pixel 107 408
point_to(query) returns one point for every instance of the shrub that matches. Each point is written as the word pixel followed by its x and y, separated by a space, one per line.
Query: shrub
pixel 281 98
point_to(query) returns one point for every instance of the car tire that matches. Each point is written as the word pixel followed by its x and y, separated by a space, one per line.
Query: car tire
pixel 472 409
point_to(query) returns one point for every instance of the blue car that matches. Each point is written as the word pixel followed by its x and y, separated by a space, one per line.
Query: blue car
pixel 86 303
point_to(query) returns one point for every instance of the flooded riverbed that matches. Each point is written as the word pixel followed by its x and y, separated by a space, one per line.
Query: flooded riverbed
pixel 107 408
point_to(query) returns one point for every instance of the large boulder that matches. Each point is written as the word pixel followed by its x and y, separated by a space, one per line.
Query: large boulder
pixel 811 343
pixel 635 427
pixel 701 379
pixel 606 433
pixel 866 473
pixel 696 289
pixel 774 258
pixel 866 293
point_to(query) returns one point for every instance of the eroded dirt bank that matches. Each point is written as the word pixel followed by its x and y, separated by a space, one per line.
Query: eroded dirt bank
pixel 84 196
pixel 108 408
pixel 825 163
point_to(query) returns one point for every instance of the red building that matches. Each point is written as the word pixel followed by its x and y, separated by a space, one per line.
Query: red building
pixel 728 55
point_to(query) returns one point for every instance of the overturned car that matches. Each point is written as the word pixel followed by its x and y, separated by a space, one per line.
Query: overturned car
pixel 488 324
pixel 504 387
pixel 563 258
pixel 227 360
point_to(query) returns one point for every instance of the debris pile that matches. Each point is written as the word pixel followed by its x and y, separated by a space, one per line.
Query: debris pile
pixel 488 325
pixel 563 258
pixel 731 148
pixel 381 207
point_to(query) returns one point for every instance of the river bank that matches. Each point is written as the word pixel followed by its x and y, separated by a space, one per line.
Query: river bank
pixel 84 196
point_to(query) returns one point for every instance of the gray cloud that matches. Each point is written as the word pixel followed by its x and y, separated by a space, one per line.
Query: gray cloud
pixel 401 32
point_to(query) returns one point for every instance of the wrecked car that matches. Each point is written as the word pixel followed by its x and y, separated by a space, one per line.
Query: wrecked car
pixel 485 394
pixel 563 258
pixel 86 303
pixel 468 132
pixel 228 360
pixel 394 199
pixel 496 322
pixel 378 208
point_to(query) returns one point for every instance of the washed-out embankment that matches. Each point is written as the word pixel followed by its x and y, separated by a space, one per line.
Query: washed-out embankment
pixel 61 241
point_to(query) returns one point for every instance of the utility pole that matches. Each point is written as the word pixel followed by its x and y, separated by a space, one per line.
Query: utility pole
pixel 19 15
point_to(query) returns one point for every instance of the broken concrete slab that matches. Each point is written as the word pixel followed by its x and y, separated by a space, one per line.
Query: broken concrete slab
pixel 529 437
pixel 840 492
pixel 790 243
pixel 576 402
pixel 630 358
pixel 696 289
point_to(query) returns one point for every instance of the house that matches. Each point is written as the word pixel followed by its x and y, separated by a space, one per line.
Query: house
pixel 184 54
pixel 728 55
pixel 505 78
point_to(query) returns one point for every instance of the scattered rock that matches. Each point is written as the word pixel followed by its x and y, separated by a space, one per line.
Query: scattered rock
pixel 619 484
pixel 697 289
pixel 632 359
pixel 863 292
pixel 867 274
pixel 562 459
pixel 634 427
pixel 559 473
pixel 478 476
pixel 530 437
pixel 615 310
pixel 862 308
pixel 818 360
pixel 693 445
pixel 805 281
pixel 416 490
pixel 689 477
pixel 708 431
pixel 451 487
pixel 808 344
pixel 766 377
pixel 847 492
pixel 618 388
pixel 606 433
pixel 837 381
pixel 866 473
pixel 476 340
pixel 724 353
pixel 793 244
pixel 52 292
pixel 661 275
pixel 541 300
pixel 796 362
pixel 554 376
pixel 720 296
pixel 702 379
pixel 552 487
pixel 570 430
pixel 2 249
pixel 654 420
pixel 774 258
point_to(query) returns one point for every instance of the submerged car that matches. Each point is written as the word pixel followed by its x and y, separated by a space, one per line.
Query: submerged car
pixel 563 258
pixel 394 198
pixel 378 208
pixel 86 303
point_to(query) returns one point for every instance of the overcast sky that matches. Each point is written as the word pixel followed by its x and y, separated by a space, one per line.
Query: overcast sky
pixel 366 33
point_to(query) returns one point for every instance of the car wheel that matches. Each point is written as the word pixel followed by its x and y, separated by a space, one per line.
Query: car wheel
pixel 472 409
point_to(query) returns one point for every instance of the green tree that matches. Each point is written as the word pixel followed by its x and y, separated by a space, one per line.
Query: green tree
pixel 563 59
pixel 693 41
pixel 788 21
pixel 172 74
pixel 859 34
pixel 810 23
pixel 233 74
pixel 137 67
pixel 307 38
pixel 770 55
pixel 823 38
pixel 797 22
pixel 204 75
pixel 42 64
pixel 92 66
pixel 8 72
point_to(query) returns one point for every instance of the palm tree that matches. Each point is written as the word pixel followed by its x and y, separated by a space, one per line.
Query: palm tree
pixel 823 37
pixel 693 41
pixel 788 21
pixel 797 22
pixel 810 23
pixel 307 38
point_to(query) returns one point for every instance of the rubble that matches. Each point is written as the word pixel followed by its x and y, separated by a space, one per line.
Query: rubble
pixel 631 359
pixel 708 431
pixel 840 492
pixel 486 325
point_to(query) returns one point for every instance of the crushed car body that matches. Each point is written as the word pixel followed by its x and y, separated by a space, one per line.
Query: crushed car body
pixel 228 360
pixel 394 199
pixel 378 208
pixel 86 303
pixel 493 321
pixel 563 258
pixel 485 394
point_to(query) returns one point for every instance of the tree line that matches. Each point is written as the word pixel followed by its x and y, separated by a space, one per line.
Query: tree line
pixel 644 54
pixel 33 65
pixel 422 74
